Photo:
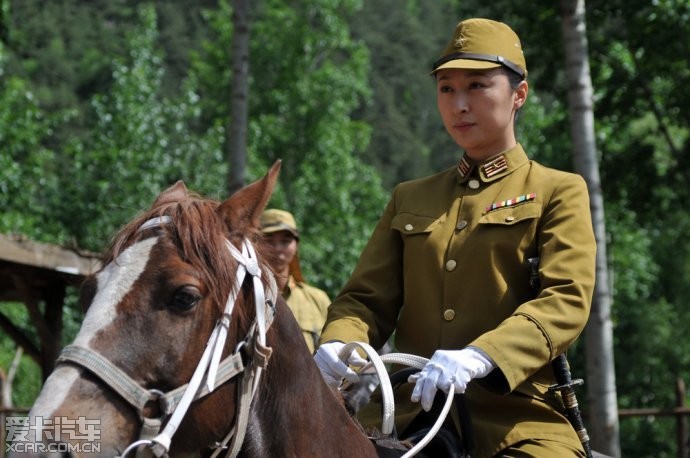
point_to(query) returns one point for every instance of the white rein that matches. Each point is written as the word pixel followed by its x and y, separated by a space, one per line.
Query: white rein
pixel 378 362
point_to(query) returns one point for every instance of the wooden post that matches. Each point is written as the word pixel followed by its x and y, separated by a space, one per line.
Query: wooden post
pixel 681 420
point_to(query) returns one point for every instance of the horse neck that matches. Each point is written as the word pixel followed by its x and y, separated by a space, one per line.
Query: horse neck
pixel 295 407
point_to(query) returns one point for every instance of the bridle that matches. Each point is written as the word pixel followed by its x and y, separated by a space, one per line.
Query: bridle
pixel 210 372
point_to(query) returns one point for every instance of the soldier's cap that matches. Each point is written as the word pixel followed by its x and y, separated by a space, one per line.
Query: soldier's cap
pixel 482 44
pixel 274 220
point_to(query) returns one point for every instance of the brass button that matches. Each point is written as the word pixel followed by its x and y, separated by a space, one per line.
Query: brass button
pixel 510 219
pixel 408 227
pixel 449 314
pixel 473 184
pixel 462 224
pixel 450 265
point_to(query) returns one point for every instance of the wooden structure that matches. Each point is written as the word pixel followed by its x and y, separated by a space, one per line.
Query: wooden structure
pixel 681 411
pixel 38 275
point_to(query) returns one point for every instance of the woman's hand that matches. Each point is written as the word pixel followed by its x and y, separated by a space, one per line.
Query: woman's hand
pixel 446 368
pixel 332 368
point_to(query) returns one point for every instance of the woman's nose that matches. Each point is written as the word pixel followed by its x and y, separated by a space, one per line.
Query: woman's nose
pixel 460 103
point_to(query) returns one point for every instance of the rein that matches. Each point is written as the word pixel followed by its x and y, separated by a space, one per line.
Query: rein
pixel 378 362
pixel 210 372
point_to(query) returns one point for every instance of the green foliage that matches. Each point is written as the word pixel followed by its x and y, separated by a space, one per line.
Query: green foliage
pixel 139 143
pixel 408 138
pixel 26 177
pixel 308 76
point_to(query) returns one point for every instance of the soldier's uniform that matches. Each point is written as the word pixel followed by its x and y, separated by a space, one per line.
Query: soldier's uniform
pixel 308 303
pixel 310 307
pixel 446 268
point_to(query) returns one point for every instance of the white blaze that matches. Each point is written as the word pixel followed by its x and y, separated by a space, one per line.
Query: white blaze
pixel 114 282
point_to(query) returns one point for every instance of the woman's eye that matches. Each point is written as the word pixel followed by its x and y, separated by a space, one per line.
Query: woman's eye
pixel 185 298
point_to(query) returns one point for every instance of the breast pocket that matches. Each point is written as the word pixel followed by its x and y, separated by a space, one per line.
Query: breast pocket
pixel 416 234
pixel 509 216
pixel 511 227
pixel 409 224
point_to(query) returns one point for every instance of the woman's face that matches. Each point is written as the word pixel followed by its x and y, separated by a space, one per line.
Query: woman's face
pixel 284 246
pixel 478 109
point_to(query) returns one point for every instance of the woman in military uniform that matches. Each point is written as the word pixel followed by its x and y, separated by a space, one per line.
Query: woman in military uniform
pixel 446 265
pixel 308 303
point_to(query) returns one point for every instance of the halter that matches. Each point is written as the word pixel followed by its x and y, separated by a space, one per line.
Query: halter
pixel 210 371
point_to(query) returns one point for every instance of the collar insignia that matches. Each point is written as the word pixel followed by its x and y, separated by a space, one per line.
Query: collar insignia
pixel 495 166
pixel 464 167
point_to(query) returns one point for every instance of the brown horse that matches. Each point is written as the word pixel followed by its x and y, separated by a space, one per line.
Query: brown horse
pixel 153 316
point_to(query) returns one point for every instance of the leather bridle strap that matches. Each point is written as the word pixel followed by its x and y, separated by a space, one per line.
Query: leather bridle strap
pixel 131 391
pixel 112 375
pixel 209 362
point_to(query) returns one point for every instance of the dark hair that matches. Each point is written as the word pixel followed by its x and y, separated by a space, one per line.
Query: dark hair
pixel 514 80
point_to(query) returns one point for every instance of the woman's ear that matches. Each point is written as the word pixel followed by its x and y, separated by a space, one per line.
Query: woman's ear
pixel 520 95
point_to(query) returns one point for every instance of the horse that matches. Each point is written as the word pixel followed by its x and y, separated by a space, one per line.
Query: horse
pixel 183 286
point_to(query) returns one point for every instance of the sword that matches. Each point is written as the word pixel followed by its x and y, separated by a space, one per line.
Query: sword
pixel 564 381
pixel 565 384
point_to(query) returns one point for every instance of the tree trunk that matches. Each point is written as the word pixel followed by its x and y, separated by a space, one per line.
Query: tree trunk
pixel 6 381
pixel 601 379
pixel 236 132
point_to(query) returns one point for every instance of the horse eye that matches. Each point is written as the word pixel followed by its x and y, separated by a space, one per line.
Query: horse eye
pixel 185 298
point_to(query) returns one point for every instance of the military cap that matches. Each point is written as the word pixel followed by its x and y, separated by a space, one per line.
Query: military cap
pixel 274 220
pixel 481 44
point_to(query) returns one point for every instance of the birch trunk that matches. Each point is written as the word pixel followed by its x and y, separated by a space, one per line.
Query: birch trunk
pixel 602 425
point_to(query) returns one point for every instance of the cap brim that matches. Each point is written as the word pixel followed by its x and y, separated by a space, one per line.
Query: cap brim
pixel 279 227
pixel 467 64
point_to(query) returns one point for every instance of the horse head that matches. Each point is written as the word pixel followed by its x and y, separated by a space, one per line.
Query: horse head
pixel 160 308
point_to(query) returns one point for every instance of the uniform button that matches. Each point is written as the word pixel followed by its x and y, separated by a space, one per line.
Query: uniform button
pixel 409 227
pixel 473 184
pixel 462 224
pixel 450 265
pixel 449 314
pixel 510 219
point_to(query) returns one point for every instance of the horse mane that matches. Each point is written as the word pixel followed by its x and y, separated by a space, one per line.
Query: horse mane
pixel 199 233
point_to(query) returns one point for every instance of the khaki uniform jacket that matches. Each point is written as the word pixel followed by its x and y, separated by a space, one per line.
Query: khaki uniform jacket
pixel 309 305
pixel 446 268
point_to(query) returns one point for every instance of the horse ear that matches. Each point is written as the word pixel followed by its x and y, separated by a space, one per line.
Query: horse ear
pixel 174 193
pixel 245 206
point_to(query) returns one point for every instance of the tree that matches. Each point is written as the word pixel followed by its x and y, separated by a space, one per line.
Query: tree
pixel 309 76
pixel 236 138
pixel 599 333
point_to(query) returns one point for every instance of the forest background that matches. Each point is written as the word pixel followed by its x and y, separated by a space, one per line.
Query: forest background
pixel 104 103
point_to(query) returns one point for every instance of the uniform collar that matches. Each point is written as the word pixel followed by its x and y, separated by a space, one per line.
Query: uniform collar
pixel 493 168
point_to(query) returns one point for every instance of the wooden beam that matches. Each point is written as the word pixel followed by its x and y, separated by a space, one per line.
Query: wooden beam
pixel 23 251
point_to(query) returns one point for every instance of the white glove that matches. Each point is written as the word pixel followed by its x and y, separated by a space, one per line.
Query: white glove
pixel 446 368
pixel 332 368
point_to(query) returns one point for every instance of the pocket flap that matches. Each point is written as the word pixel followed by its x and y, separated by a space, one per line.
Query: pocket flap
pixel 407 223
pixel 512 215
